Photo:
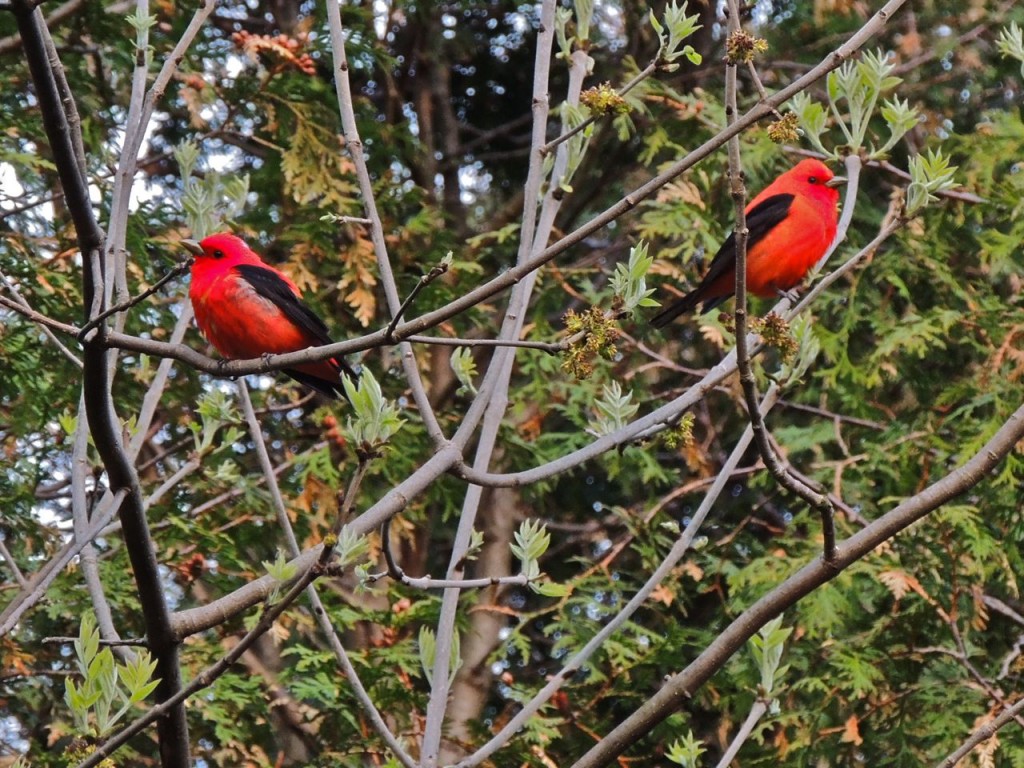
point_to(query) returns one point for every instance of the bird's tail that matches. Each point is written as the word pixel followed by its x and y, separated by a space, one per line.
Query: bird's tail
pixel 324 377
pixel 686 304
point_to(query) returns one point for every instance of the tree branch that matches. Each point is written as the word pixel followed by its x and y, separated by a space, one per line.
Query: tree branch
pixel 681 546
pixel 817 499
pixel 343 88
pixel 25 310
pixel 803 582
pixel 426 582
pixel 12 564
pixel 362 696
pixel 984 733
pixel 63 132
pixel 489 406
pixel 756 713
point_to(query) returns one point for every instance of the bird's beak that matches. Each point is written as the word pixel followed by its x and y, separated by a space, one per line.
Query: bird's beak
pixel 192 247
pixel 835 181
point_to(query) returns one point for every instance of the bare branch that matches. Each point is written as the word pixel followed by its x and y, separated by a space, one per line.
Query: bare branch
pixel 354 144
pixel 983 734
pixel 426 582
pixel 488 408
pixel 40 581
pixel 45 324
pixel 435 272
pixel 800 584
pixel 681 546
pixel 83 333
pixel 757 711
pixel 319 610
pixel 12 564
pixel 816 498
pixel 642 75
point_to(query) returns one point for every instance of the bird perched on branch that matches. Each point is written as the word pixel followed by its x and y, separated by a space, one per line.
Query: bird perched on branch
pixel 791 224
pixel 248 309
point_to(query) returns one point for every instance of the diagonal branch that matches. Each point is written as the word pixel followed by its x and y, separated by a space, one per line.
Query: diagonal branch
pixel 180 269
pixel 351 675
pixel 25 309
pixel 816 573
pixel 681 546
pixel 491 402
pixel 343 88
pixel 984 733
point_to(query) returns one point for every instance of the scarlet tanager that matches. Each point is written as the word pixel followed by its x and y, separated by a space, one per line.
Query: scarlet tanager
pixel 248 309
pixel 791 223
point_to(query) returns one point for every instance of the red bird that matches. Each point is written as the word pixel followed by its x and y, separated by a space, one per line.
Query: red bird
pixel 791 223
pixel 248 309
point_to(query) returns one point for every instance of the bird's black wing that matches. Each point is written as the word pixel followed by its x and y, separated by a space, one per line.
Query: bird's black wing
pixel 761 219
pixel 270 286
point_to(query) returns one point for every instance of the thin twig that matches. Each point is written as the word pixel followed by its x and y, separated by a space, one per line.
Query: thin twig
pixel 965 660
pixel 566 135
pixel 134 641
pixel 45 324
pixel 756 79
pixel 817 499
pixel 825 413
pixel 177 271
pixel 984 733
pixel 9 559
pixel 551 347
pixel 154 393
pixel 757 711
pixel 426 582
pixel 435 272
pixel 362 696
pixel 81 513
pixel 681 546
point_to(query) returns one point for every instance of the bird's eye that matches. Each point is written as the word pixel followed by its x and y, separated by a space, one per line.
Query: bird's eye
pixel 218 254
pixel 813 179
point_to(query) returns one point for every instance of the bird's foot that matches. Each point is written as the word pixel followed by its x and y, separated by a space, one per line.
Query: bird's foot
pixel 222 364
pixel 791 294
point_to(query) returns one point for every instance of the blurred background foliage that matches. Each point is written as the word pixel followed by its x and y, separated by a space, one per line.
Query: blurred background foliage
pixel 922 357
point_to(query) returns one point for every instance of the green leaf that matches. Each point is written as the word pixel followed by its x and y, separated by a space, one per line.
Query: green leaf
pixel 614 410
pixel 374 420
pixel 550 588
pixel 464 367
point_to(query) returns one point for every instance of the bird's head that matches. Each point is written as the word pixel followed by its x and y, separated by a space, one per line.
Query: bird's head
pixel 817 179
pixel 222 248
